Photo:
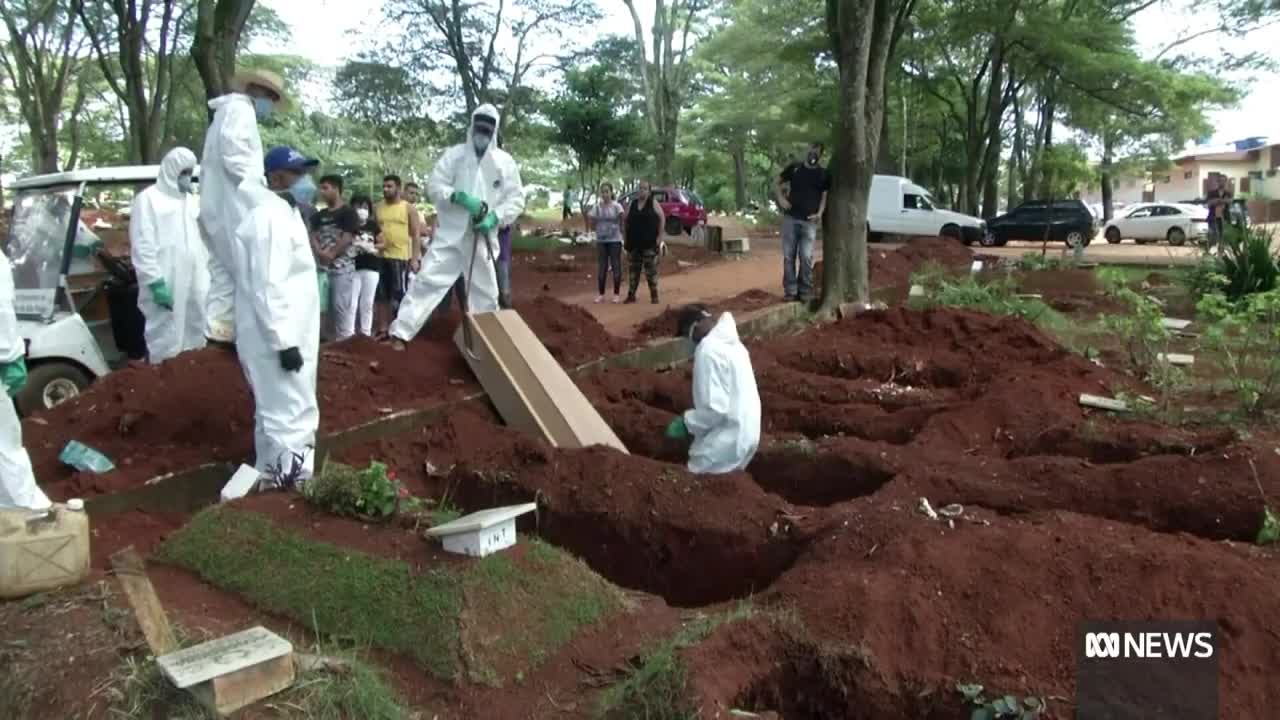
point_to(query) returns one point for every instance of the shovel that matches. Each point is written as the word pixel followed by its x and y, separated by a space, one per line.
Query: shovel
pixel 468 342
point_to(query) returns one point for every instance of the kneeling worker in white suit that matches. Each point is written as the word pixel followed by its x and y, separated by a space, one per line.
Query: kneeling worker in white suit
pixel 171 258
pixel 277 320
pixel 476 189
pixel 17 481
pixel 725 419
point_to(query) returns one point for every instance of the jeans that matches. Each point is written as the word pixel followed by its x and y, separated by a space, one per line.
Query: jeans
pixel 609 257
pixel 798 237
pixel 345 297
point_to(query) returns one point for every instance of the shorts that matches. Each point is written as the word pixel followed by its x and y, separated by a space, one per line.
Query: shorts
pixel 393 281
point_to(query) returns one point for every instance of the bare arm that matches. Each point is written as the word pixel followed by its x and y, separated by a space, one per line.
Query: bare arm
pixel 780 191
pixel 415 232
pixel 822 207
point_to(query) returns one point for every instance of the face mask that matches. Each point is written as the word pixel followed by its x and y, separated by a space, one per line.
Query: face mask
pixel 363 214
pixel 262 108
pixel 303 189
pixel 184 184
pixel 813 157
pixel 481 142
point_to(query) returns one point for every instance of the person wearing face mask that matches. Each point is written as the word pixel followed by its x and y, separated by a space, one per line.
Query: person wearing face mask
pixel 724 423
pixel 278 318
pixel 802 194
pixel 333 232
pixel 368 263
pixel 231 183
pixel 475 188
pixel 171 259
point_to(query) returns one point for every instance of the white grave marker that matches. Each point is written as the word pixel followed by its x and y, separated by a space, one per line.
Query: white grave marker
pixel 482 533
pixel 241 483
pixel 233 671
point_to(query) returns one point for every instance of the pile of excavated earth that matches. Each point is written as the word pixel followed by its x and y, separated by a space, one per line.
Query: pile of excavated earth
pixel 865 604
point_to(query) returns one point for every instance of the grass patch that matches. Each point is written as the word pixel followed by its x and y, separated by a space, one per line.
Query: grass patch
pixel 485 619
pixel 656 690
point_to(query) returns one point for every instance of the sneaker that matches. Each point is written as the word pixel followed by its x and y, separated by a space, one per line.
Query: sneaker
pixel 617 299
pixel 631 300
pixel 599 299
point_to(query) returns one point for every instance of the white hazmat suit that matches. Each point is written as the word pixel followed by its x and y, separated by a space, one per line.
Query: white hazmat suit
pixel 493 178
pixel 17 481
pixel 725 419
pixel 165 244
pixel 230 182
pixel 277 307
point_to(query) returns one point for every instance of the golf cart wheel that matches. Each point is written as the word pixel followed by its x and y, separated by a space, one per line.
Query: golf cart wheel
pixel 1177 237
pixel 49 385
pixel 1076 238
pixel 674 227
pixel 1113 235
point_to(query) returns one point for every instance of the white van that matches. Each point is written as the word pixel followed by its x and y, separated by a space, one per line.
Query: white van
pixel 898 206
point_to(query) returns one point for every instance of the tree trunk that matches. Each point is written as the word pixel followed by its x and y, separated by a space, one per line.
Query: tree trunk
pixel 1017 158
pixel 739 177
pixel 1046 173
pixel 885 164
pixel 995 114
pixel 219 24
pixel 1107 193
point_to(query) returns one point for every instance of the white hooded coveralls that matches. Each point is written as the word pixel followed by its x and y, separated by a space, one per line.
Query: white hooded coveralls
pixel 17 481
pixel 725 419
pixel 165 243
pixel 277 306
pixel 495 179
pixel 230 182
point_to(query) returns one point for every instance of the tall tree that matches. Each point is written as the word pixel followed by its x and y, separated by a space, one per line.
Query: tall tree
pixel 219 26
pixel 588 120
pixel 140 74
pixel 862 33
pixel 38 60
pixel 665 71
pixel 387 103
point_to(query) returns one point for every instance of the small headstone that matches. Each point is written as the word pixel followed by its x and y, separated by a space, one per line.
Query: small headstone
pixel 1103 403
pixel 976 267
pixel 482 533
pixel 240 484
pixel 233 671
pixel 916 291
pixel 1174 323
pixel 1177 358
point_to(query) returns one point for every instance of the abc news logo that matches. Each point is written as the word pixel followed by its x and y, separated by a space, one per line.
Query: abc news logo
pixel 1149 645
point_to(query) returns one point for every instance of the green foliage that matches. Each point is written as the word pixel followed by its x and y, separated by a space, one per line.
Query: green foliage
pixel 588 118
pixel 1204 278
pixel 1248 262
pixel 1009 707
pixel 358 692
pixel 371 493
pixel 1034 261
pixel 1246 334
pixel 656 689
pixel 1270 532
pixel 1146 339
pixel 995 296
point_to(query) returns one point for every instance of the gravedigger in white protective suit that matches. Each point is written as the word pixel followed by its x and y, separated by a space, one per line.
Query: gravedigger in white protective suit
pixel 171 259
pixel 231 183
pixel 725 420
pixel 278 320
pixel 476 189
pixel 17 481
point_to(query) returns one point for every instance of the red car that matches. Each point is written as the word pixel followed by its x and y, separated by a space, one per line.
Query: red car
pixel 683 208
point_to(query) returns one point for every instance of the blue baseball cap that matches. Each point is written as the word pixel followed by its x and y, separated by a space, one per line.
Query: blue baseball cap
pixel 286 158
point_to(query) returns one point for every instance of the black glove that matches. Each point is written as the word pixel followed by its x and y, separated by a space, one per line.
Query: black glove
pixel 291 359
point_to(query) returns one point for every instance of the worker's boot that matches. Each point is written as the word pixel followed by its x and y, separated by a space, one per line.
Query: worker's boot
pixel 653 297
pixel 631 299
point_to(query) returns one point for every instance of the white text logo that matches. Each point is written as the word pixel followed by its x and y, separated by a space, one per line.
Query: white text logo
pixel 1149 645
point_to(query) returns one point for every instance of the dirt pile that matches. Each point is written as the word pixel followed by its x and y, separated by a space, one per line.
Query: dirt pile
pixel 666 324
pixel 196 408
pixel 891 269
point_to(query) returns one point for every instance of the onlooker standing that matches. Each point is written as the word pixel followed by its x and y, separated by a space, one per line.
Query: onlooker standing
pixel 804 201
pixel 568 204
pixel 641 227
pixel 606 220
pixel 368 263
pixel 333 236
pixel 1219 202
pixel 401 252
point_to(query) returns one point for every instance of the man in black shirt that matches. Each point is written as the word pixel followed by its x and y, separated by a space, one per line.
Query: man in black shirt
pixel 333 232
pixel 802 194
pixel 1219 202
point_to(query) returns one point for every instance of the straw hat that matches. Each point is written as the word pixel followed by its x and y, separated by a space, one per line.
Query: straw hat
pixel 262 78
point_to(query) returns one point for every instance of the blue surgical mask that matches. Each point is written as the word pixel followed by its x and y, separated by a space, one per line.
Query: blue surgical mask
pixel 262 108
pixel 303 189
pixel 184 184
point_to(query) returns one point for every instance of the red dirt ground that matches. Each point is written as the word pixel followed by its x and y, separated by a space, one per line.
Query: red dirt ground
pixel 665 324
pixel 571 270
pixel 197 408
pixel 890 271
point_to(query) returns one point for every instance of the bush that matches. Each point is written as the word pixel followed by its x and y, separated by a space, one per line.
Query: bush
pixel 995 296
pixel 1247 334
pixel 1146 339
pixel 371 494
pixel 1248 262
pixel 1034 261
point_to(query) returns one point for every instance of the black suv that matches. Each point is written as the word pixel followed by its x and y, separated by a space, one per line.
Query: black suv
pixel 1067 221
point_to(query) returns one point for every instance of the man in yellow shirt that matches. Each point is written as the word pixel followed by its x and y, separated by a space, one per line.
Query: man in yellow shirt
pixel 401 254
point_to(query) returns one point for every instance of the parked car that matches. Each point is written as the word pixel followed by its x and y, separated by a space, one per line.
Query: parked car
pixel 683 208
pixel 1153 222
pixel 1067 221
pixel 897 206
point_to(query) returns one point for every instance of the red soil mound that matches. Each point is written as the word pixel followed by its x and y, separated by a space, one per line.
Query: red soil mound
pixel 666 324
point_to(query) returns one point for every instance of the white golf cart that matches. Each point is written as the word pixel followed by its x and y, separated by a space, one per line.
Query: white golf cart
pixel 76 303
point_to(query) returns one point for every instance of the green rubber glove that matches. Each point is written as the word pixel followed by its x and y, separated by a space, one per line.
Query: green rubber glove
pixel 677 430
pixel 86 250
pixel 14 375
pixel 488 224
pixel 472 203
pixel 161 293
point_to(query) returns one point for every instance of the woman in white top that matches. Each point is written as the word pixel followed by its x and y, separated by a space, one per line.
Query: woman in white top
pixel 606 220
